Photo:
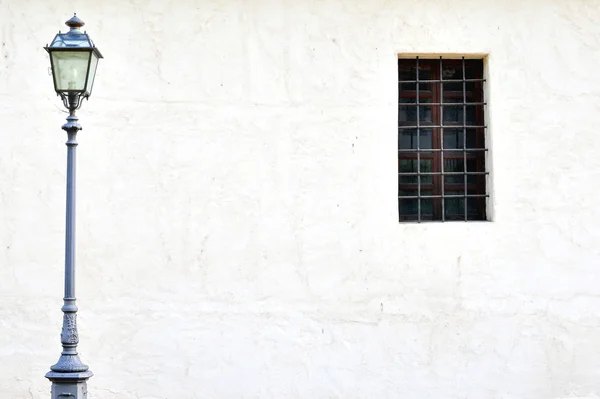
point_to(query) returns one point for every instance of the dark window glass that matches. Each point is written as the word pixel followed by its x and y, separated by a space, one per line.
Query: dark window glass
pixel 407 138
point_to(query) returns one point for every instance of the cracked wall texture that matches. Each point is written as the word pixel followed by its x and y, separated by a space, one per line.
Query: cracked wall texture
pixel 237 212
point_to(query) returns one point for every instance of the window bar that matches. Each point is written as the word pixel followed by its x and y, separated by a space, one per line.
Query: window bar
pixel 445 80
pixel 446 196
pixel 432 126
pixel 418 147
pixel 439 103
pixel 464 132
pixel 447 149
pixel 441 119
pixel 483 140
pixel 444 174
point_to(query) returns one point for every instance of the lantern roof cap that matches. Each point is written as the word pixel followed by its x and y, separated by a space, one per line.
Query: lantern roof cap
pixel 75 22
pixel 74 39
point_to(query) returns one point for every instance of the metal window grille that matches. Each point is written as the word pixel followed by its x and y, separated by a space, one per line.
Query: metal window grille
pixel 441 140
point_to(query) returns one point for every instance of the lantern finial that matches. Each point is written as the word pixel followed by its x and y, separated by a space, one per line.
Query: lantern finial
pixel 74 23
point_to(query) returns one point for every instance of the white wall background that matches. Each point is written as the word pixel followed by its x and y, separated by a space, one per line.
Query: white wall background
pixel 237 212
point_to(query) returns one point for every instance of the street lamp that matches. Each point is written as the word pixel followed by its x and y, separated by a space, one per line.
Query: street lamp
pixel 74 59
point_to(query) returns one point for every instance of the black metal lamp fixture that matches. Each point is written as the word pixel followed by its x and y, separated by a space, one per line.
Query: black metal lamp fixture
pixel 74 58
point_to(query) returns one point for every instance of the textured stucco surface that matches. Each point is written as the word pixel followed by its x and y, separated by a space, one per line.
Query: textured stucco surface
pixel 237 213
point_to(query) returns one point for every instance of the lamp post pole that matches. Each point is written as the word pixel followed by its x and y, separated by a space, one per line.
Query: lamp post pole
pixel 69 375
pixel 74 59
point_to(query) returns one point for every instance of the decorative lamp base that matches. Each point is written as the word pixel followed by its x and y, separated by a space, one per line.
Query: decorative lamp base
pixel 69 385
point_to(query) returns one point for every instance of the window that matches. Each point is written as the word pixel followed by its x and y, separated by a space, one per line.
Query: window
pixel 441 140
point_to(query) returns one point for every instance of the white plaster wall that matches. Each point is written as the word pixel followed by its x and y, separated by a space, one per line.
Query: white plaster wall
pixel 237 212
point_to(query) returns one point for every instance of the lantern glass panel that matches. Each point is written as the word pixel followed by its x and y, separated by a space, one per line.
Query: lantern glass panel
pixel 91 73
pixel 70 69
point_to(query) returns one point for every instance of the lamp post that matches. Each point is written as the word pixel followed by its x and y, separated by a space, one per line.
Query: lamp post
pixel 74 59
